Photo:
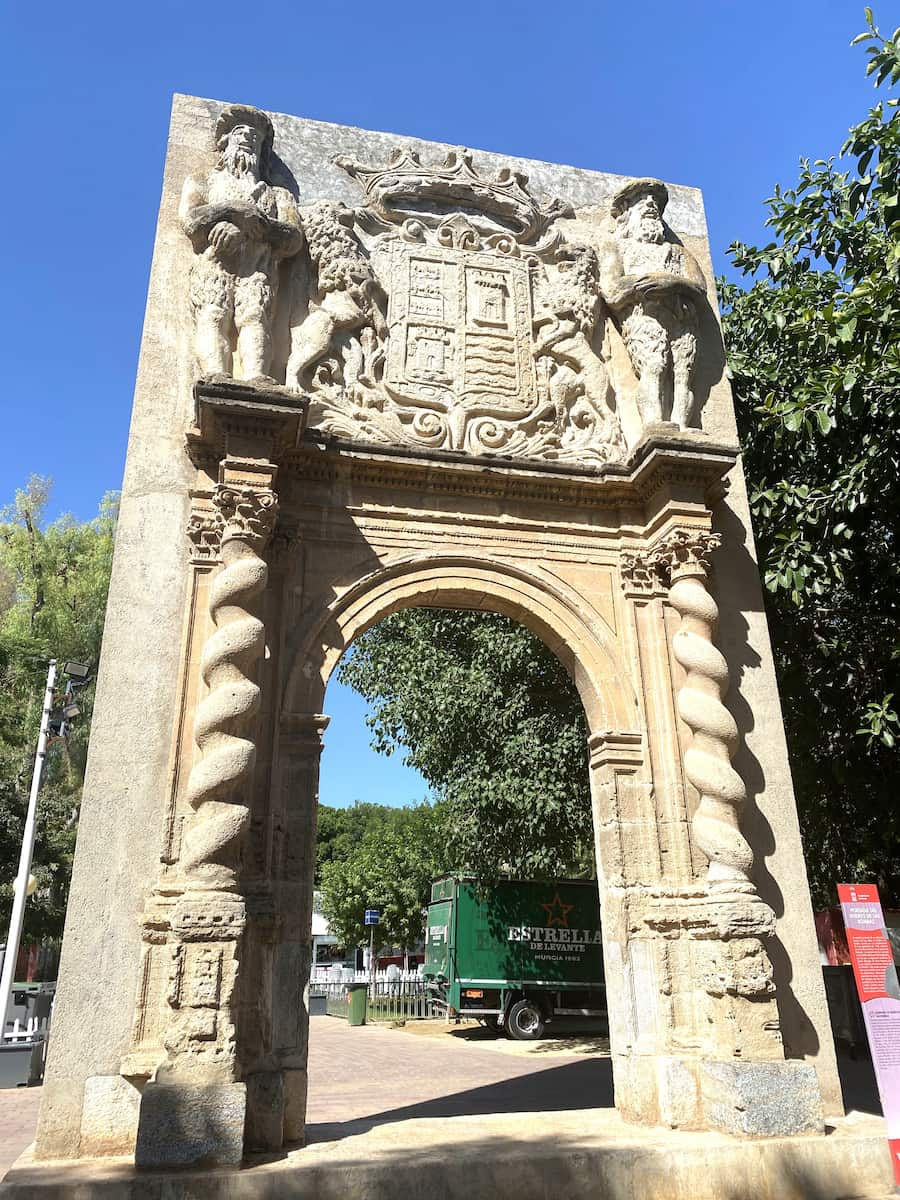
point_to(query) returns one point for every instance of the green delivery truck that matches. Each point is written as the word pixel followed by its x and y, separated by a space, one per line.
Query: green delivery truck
pixel 515 954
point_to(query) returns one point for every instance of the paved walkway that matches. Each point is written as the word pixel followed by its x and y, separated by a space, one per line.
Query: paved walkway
pixel 360 1078
pixel 372 1075
pixel 364 1078
pixel 18 1118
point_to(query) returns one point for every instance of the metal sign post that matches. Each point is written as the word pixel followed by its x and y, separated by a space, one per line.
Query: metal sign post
pixel 373 916
pixel 17 918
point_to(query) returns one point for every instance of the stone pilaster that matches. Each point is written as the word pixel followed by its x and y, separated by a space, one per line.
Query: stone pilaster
pixel 299 751
pixel 195 1108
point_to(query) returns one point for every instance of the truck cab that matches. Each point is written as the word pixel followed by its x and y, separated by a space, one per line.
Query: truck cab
pixel 515 953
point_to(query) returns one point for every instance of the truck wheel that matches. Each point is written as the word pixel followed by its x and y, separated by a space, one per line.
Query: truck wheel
pixel 525 1022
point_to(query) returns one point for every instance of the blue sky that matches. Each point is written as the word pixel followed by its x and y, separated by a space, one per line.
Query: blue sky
pixel 724 96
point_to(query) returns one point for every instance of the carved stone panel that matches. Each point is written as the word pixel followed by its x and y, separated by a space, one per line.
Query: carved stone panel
pixel 450 313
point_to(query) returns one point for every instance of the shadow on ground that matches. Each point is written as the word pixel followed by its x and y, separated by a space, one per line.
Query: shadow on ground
pixel 555 1089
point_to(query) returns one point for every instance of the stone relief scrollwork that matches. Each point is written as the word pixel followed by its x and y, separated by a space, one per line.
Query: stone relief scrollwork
pixel 449 313
pixel 204 531
pixel 240 226
pixel 653 286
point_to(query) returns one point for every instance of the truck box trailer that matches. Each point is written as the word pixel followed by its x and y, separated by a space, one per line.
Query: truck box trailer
pixel 515 954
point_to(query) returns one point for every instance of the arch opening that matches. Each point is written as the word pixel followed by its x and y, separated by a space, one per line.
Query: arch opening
pixel 541 935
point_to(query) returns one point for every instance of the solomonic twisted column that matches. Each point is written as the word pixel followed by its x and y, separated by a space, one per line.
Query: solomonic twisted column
pixel 707 762
pixel 224 717
pixel 209 918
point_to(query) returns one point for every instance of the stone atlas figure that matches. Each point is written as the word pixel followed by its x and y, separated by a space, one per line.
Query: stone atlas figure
pixel 653 285
pixel 477 387
pixel 240 226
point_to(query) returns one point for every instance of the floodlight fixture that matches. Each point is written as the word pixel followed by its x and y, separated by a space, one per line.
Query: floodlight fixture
pixel 71 711
pixel 76 670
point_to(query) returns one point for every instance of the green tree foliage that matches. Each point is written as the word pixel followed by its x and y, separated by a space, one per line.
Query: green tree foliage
pixel 372 856
pixel 493 722
pixel 53 584
pixel 814 351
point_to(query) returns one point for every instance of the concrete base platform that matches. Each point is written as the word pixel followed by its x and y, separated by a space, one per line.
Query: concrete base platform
pixel 526 1156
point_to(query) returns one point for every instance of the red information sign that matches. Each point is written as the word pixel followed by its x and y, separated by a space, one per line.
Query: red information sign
pixel 879 991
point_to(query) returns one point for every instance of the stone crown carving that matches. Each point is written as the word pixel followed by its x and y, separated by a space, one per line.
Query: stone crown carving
pixel 405 187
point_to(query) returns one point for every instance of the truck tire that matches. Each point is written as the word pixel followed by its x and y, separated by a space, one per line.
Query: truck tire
pixel 525 1022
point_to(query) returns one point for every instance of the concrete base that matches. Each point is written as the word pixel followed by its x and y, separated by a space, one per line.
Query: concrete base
pixel 529 1156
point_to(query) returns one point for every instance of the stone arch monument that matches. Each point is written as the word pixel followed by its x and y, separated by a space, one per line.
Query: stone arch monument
pixel 377 374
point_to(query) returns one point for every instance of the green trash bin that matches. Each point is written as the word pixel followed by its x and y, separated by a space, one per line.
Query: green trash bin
pixel 357 994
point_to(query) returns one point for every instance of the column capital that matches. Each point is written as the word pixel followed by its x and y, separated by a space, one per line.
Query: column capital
pixel 246 511
pixel 685 551
pixel 638 573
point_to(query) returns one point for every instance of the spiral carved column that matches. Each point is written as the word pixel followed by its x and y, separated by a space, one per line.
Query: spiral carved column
pixel 684 557
pixel 225 716
pixel 209 917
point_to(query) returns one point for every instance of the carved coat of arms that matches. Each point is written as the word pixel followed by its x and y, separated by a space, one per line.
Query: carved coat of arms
pixel 449 312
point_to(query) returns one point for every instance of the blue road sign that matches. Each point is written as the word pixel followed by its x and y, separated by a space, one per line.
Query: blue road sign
pixel 372 916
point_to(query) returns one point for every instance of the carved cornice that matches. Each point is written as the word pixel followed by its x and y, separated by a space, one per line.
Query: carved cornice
pixel 302 734
pixel 229 415
pixel 685 470
pixel 623 750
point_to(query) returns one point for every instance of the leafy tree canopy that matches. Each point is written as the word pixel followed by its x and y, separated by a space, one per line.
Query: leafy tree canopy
pixel 814 350
pixel 53 584
pixel 382 858
pixel 493 722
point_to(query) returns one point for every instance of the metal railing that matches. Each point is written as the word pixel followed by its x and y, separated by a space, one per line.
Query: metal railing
pixel 390 997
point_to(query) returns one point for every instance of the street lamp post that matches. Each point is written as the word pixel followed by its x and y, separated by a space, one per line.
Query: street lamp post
pixel 17 917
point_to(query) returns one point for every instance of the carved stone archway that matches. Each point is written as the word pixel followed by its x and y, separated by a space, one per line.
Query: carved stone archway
pixel 428 388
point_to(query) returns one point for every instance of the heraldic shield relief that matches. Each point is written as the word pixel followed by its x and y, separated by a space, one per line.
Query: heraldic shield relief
pixel 451 312
pixel 460 338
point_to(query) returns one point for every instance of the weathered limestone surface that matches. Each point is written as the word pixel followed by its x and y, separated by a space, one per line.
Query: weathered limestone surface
pixel 378 373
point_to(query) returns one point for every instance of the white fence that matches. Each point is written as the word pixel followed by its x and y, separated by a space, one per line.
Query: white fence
pixel 393 995
pixel 27 1032
pixel 333 974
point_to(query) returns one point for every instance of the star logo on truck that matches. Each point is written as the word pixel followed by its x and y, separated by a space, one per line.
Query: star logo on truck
pixel 557 912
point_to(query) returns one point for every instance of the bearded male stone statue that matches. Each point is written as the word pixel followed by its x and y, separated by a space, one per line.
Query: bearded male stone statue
pixel 652 285
pixel 240 226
